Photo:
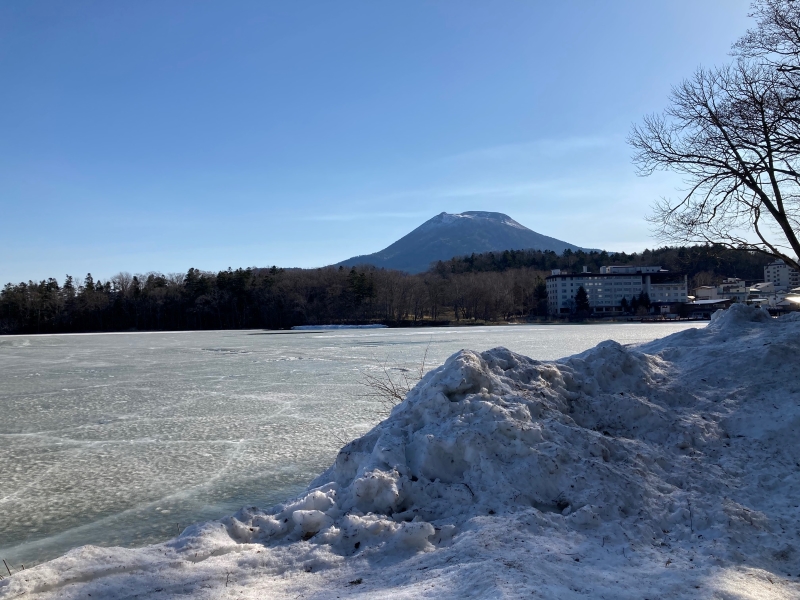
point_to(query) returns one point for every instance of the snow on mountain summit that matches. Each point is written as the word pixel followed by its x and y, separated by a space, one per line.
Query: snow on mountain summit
pixel 445 217
pixel 666 470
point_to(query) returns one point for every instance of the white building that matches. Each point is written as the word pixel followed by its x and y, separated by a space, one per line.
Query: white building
pixel 781 275
pixel 730 289
pixel 766 295
pixel 706 292
pixel 607 289
pixel 762 289
pixel 791 301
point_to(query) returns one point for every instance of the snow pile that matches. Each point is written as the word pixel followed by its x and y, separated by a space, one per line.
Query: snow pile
pixel 502 475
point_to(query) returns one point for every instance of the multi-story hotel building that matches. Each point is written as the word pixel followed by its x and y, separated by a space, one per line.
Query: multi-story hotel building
pixel 607 288
pixel 782 276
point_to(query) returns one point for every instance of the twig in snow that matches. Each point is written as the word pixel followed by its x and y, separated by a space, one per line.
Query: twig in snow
pixel 391 389
pixel 341 438
pixel 6 564
pixel 691 516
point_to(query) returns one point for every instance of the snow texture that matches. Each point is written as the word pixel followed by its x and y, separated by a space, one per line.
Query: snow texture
pixel 666 470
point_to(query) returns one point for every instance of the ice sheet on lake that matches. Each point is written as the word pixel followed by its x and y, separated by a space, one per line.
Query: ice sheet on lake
pixel 335 327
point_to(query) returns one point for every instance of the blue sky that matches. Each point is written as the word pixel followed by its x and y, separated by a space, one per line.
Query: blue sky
pixel 163 135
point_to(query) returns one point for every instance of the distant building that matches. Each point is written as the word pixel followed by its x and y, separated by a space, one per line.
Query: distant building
pixel 781 275
pixel 791 302
pixel 607 288
pixel 706 292
pixel 734 289
pixel 730 289
pixel 703 309
pixel 775 300
pixel 762 289
pixel 764 294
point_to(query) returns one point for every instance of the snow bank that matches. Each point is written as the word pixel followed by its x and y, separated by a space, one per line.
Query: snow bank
pixel 500 475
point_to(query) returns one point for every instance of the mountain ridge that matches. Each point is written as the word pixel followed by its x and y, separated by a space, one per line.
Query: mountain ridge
pixel 458 234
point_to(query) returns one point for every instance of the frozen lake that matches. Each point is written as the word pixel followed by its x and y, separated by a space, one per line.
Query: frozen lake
pixel 123 439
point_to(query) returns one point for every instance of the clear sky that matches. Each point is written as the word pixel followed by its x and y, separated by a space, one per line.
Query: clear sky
pixel 161 135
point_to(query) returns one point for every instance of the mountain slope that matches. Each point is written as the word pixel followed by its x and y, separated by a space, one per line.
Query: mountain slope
pixel 448 235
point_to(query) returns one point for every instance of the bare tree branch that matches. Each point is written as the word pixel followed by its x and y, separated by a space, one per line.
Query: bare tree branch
pixel 733 133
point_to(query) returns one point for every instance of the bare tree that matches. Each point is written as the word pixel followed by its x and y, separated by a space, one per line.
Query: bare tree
pixel 391 385
pixel 176 279
pixel 776 37
pixel 734 134
pixel 122 282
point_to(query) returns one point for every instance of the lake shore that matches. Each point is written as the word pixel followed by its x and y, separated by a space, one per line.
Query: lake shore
pixel 426 324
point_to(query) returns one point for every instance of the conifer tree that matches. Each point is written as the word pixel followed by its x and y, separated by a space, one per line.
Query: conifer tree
pixel 582 301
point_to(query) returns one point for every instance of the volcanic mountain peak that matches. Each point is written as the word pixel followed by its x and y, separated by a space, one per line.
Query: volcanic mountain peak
pixel 447 235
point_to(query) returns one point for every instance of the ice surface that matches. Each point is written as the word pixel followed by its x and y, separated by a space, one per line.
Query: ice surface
pixel 335 327
pixel 667 470
pixel 127 438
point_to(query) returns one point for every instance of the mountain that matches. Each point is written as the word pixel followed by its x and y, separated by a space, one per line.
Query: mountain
pixel 445 236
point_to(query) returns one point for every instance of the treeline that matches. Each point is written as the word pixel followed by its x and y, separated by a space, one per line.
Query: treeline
pixel 705 265
pixel 488 287
pixel 269 298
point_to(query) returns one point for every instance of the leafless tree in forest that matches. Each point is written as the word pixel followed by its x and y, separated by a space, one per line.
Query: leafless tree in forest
pixel 733 133
pixel 122 282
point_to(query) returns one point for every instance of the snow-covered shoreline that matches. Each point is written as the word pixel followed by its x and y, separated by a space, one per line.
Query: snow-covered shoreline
pixel 666 470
